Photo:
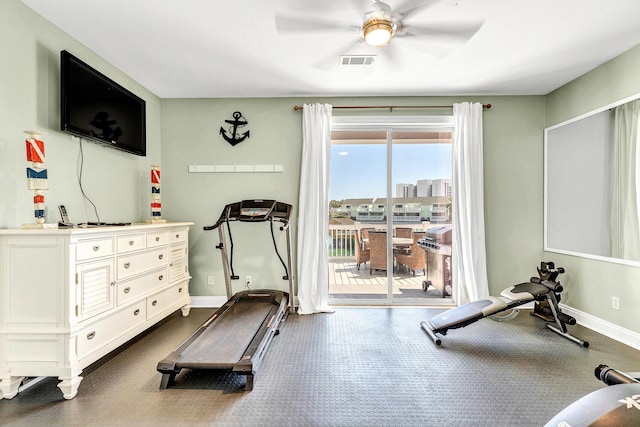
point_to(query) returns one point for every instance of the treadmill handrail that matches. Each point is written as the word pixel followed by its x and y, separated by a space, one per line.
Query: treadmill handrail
pixel 276 211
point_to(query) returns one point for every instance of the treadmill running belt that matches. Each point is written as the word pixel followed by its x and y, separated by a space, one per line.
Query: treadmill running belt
pixel 224 342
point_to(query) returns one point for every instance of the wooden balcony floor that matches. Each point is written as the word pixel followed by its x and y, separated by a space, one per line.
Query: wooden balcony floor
pixel 347 282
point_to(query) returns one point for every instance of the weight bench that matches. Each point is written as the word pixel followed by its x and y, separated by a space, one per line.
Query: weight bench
pixel 544 291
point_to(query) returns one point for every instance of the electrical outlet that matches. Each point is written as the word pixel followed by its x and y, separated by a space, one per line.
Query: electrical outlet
pixel 210 281
pixel 248 282
pixel 615 303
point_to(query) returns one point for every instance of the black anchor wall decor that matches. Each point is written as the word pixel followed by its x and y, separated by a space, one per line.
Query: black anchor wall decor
pixel 238 122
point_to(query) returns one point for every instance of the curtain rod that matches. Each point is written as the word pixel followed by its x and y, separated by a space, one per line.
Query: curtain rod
pixel 391 107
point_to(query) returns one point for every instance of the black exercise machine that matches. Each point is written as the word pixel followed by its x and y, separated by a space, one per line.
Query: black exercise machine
pixel 543 290
pixel 617 405
pixel 237 335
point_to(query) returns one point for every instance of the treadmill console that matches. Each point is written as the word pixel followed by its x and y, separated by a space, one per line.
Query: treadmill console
pixel 257 210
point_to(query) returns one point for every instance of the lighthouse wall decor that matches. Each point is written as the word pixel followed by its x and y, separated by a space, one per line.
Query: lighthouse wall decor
pixel 234 135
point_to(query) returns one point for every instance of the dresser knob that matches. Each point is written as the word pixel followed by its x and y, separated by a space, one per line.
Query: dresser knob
pixel 160 277
pixel 135 313
pixel 154 303
pixel 90 335
pixel 177 236
pixel 127 290
pixel 127 264
pixel 160 256
pixel 130 242
pixel 157 239
pixel 179 290
pixel 96 248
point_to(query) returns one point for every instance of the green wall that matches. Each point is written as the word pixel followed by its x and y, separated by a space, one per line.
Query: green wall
pixel 190 127
pixel 117 182
pixel 590 283
pixel 185 131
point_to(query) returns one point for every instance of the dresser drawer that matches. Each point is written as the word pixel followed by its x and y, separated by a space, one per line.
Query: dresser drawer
pixel 157 303
pixel 130 265
pixel 157 239
pixel 178 235
pixel 132 289
pixel 131 242
pixel 92 337
pixel 94 248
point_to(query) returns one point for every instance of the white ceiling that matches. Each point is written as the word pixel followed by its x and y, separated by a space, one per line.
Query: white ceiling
pixel 231 48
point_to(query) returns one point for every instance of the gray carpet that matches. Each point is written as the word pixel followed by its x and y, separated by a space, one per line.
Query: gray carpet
pixel 355 367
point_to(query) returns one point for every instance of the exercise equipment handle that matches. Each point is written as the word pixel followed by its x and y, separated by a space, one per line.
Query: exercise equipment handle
pixel 553 286
pixel 611 376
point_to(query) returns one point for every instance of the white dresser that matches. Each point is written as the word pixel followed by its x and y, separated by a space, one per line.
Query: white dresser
pixel 70 296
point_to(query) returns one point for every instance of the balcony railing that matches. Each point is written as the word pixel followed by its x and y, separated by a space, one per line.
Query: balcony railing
pixel 341 239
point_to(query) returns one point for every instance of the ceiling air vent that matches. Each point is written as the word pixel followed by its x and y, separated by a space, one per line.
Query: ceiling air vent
pixel 346 60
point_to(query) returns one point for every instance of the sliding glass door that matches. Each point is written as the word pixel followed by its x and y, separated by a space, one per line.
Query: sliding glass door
pixel 390 192
pixel 358 194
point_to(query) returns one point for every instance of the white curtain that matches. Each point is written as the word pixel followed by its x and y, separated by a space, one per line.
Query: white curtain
pixel 625 222
pixel 468 252
pixel 313 210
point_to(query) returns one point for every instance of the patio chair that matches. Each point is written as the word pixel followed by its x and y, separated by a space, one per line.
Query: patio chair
pixel 365 236
pixel 362 255
pixel 378 247
pixel 416 258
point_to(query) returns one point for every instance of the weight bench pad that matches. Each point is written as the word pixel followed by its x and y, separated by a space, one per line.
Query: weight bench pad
pixel 467 313
pixel 525 292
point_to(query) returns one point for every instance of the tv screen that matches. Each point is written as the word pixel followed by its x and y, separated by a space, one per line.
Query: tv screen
pixel 97 108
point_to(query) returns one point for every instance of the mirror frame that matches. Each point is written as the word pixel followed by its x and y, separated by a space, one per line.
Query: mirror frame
pixel 546 246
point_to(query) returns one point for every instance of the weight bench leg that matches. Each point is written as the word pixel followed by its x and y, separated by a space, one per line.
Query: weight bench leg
pixel 430 332
pixel 560 328
pixel 568 336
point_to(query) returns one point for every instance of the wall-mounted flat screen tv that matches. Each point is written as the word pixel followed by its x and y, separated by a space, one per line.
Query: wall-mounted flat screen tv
pixel 99 109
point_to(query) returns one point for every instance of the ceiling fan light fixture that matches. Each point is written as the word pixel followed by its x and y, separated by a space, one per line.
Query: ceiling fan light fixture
pixel 377 32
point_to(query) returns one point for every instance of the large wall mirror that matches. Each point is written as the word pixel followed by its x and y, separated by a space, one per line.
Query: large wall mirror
pixel 592 184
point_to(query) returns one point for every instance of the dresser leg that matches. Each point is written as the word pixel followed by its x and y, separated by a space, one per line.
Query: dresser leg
pixel 185 310
pixel 9 386
pixel 69 386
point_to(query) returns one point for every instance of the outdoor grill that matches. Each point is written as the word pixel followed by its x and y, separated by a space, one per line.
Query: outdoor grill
pixel 437 239
pixel 437 245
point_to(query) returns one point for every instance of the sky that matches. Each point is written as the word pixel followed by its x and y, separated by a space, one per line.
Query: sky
pixel 361 172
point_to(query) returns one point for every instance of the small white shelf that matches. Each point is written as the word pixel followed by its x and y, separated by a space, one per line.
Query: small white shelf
pixel 235 168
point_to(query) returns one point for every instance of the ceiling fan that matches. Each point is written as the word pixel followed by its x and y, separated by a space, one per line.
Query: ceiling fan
pixel 381 24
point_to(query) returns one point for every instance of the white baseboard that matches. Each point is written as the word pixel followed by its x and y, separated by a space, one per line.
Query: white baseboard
pixel 603 327
pixel 208 301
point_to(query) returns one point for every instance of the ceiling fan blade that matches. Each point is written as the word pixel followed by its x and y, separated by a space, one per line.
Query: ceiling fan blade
pixel 448 33
pixel 409 7
pixel 435 50
pixel 309 24
pixel 389 59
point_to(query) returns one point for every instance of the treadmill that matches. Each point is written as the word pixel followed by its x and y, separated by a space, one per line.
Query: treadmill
pixel 236 337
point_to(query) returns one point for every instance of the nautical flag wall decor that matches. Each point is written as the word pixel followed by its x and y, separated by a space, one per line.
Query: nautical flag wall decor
pixel 37 178
pixel 156 203
pixel 35 150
